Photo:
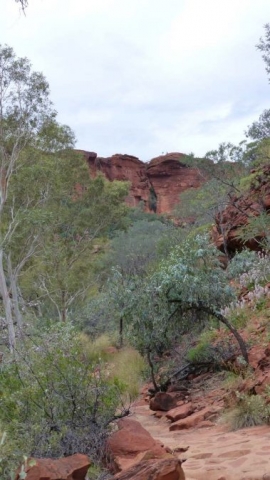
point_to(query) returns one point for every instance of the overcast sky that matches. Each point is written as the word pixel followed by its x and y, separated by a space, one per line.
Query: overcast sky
pixel 146 76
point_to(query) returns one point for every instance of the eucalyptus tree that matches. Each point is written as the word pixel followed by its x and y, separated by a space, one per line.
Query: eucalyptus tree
pixel 25 108
pixel 80 222
pixel 188 288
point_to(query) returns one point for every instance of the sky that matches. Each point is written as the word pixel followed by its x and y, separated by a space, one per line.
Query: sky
pixel 146 77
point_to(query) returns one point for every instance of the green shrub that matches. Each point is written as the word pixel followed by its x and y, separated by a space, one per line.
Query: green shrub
pixel 56 399
pixel 250 411
pixel 241 263
pixel 200 353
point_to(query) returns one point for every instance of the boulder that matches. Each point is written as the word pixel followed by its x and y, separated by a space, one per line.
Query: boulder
pixel 181 412
pixel 195 419
pixel 132 443
pixel 162 401
pixel 168 469
pixel 74 467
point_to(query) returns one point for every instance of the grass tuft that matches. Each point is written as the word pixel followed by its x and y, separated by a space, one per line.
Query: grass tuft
pixel 250 411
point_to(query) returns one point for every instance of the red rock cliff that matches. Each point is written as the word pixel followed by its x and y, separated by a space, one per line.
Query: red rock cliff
pixel 157 183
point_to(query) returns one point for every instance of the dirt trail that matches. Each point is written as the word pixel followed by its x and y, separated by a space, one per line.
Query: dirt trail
pixel 214 453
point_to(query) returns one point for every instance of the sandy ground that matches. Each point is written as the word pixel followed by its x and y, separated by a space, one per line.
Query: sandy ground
pixel 214 453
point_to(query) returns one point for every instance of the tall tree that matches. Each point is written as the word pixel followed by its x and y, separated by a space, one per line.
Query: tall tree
pixel 26 113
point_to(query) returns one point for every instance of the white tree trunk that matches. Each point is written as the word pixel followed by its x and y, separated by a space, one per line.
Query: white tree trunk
pixel 7 306
pixel 14 291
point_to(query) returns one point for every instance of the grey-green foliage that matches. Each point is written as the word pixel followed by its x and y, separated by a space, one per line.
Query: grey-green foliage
pixel 260 129
pixel 257 230
pixel 133 251
pixel 226 152
pixel 191 279
pixel 264 47
pixel 220 171
pixel 192 276
pixel 55 397
pixel 201 205
pixel 241 263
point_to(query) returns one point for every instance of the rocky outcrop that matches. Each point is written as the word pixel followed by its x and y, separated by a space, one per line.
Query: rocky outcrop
pixel 156 184
pixel 240 210
pixel 74 467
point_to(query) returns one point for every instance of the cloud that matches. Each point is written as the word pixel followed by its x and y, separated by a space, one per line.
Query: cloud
pixel 147 76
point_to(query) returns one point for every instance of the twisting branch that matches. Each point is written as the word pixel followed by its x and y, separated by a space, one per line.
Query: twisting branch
pixel 23 3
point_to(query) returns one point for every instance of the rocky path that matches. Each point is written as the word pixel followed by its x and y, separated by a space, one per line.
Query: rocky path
pixel 214 453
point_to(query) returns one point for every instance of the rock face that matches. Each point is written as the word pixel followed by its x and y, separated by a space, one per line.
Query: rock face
pixel 156 184
pixel 240 210
pixel 69 468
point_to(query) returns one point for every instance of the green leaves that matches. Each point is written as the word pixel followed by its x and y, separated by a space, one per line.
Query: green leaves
pixel 57 398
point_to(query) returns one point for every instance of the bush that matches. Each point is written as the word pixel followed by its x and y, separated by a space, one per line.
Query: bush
pixel 211 349
pixel 251 410
pixel 200 353
pixel 56 398
pixel 241 263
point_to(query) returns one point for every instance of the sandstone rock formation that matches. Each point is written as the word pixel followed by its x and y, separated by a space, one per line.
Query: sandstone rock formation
pixel 156 184
pixel 74 467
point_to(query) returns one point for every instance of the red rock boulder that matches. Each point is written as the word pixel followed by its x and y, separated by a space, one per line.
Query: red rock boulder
pixel 132 443
pixel 197 419
pixel 162 401
pixel 74 467
pixel 181 412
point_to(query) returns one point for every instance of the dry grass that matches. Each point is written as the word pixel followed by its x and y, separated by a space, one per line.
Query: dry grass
pixel 250 411
pixel 128 366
